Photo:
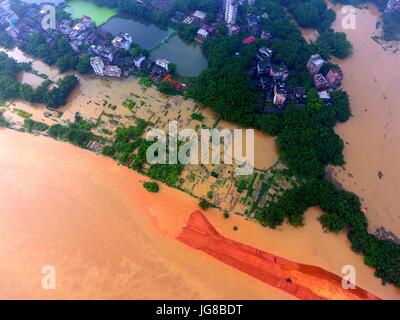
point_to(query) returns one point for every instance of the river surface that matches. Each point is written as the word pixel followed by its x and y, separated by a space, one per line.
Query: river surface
pixel 107 237
pixel 372 135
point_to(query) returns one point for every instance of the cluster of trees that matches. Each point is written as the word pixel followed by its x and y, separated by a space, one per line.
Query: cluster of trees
pixel 342 212
pixel 32 125
pixel 77 133
pixel 3 121
pixel 127 140
pixel 151 186
pixel 391 25
pixel 10 88
pixel 225 85
pixel 310 13
pixel 307 140
pixel 60 53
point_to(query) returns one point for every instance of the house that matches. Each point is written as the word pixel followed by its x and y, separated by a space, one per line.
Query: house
pixel 324 96
pixel 279 72
pixel 315 63
pixel 65 27
pixel 97 65
pixel 201 35
pixel 320 82
pixel 112 71
pixel 104 52
pixel 157 73
pixel 189 20
pixel 265 35
pixel 296 96
pixel 87 21
pixel 265 52
pixel 138 61
pixel 233 30
pixel 122 41
pixel 163 63
pixel 334 77
pixel 8 16
pixel 279 95
pixel 199 15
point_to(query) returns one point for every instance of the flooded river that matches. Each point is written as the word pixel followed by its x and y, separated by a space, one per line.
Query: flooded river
pixel 372 135
pixel 107 237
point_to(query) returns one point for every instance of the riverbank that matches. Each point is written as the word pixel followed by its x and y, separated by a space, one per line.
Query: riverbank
pixel 109 238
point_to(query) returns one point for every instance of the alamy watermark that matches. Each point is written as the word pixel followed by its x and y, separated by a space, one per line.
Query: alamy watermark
pixel 349 277
pixel 349 19
pixel 49 278
pixel 49 17
pixel 187 147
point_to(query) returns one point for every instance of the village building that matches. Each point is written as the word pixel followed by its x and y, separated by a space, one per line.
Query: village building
pixel 334 77
pixel 141 62
pixel 157 73
pixel 315 63
pixel 265 52
pixel 7 16
pixel 112 71
pixel 163 63
pixel 106 53
pixel 233 30
pixel 189 20
pixel 320 82
pixel 231 11
pixel 265 35
pixel 279 72
pixel 279 95
pixel 324 96
pixel 122 41
pixel 201 35
pixel 97 65
pixel 199 16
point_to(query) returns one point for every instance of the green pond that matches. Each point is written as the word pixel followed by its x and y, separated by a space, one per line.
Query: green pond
pixel 79 8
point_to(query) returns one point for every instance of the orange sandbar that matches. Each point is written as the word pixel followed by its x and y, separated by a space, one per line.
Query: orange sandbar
pixel 303 281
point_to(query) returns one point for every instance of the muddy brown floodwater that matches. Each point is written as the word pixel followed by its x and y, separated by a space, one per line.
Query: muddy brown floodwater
pixel 108 237
pixel 372 135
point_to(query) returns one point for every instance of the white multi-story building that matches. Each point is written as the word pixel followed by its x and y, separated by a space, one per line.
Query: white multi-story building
pixel 97 65
pixel 163 63
pixel 102 70
pixel 231 11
